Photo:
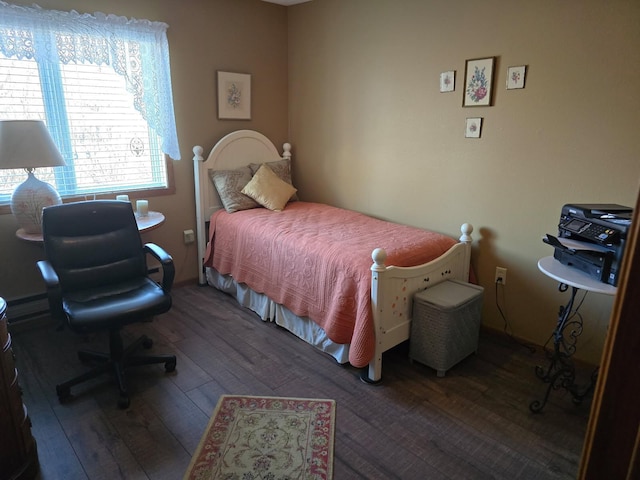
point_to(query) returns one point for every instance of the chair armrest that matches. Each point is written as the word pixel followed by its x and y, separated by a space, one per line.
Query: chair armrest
pixel 54 290
pixel 168 269
pixel 49 275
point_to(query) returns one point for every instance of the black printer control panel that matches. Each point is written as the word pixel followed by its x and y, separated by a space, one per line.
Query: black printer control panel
pixel 590 231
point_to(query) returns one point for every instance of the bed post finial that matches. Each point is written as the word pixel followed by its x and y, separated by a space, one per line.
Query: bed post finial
pixel 197 152
pixel 466 230
pixel 379 255
pixel 286 150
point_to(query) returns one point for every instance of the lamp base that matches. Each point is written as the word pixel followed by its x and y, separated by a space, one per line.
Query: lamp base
pixel 28 200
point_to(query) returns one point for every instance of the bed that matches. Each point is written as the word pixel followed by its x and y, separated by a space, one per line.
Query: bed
pixel 379 282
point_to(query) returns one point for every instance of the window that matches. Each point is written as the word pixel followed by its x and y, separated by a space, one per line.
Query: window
pixel 102 85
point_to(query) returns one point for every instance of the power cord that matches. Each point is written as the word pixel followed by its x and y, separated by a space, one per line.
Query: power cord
pixel 507 326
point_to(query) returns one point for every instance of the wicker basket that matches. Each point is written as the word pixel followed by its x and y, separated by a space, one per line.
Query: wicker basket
pixel 446 324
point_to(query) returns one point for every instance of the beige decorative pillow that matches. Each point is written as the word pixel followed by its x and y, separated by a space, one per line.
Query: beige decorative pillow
pixel 229 184
pixel 268 189
pixel 282 168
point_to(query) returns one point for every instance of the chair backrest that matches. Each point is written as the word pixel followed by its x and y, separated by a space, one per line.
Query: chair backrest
pixel 92 244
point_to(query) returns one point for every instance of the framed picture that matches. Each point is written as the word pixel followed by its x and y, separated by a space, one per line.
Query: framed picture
pixel 473 128
pixel 448 81
pixel 234 96
pixel 515 77
pixel 478 82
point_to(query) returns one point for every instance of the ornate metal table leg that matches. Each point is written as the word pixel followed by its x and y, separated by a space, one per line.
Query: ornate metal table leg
pixel 578 394
pixel 560 372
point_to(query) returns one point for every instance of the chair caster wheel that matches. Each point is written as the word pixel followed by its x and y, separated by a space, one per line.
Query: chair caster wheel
pixel 64 393
pixel 123 402
pixel 147 343
pixel 170 366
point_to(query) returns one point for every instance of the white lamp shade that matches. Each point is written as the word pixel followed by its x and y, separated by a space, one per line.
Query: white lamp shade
pixel 27 144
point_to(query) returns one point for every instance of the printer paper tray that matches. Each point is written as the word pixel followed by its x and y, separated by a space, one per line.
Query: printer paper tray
pixel 578 245
pixel 594 264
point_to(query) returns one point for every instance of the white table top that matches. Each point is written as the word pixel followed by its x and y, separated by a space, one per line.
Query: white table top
pixel 573 277
pixel 149 222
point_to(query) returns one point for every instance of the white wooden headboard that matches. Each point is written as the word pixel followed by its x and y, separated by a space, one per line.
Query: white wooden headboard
pixel 235 150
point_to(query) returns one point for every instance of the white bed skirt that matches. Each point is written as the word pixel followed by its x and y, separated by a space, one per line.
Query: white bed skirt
pixel 266 309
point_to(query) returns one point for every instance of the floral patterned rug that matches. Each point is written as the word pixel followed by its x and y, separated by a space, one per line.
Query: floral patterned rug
pixel 266 438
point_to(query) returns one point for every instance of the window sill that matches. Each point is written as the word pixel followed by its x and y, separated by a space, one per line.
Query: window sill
pixel 133 196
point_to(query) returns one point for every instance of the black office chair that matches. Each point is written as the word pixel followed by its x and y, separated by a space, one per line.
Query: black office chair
pixel 97 279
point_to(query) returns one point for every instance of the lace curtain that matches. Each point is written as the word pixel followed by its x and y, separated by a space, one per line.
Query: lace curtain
pixel 136 49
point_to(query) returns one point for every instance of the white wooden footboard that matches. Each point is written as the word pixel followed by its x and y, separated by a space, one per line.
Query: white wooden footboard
pixel 392 290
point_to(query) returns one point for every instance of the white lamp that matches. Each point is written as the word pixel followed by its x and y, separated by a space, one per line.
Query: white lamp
pixel 27 144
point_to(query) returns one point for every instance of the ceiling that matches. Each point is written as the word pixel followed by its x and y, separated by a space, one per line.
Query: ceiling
pixel 286 3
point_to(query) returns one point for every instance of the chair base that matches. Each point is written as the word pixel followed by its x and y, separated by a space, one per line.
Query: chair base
pixel 115 362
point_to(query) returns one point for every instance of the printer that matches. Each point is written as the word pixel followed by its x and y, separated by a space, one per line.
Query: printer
pixel 591 238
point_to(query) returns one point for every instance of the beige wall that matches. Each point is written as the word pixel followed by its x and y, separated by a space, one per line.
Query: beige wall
pixel 371 131
pixel 247 36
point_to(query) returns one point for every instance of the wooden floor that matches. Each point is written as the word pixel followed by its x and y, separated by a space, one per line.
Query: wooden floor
pixel 472 424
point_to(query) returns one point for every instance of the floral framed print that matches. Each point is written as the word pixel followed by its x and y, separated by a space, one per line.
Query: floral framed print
pixel 478 82
pixel 234 96
pixel 515 77
pixel 448 81
pixel 473 128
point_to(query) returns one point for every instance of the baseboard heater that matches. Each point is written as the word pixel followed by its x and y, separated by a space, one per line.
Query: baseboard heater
pixel 26 308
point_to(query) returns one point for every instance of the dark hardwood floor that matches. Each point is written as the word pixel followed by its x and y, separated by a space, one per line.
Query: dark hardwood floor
pixel 474 423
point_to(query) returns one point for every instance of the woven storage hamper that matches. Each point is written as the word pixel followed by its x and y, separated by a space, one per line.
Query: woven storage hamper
pixel 446 324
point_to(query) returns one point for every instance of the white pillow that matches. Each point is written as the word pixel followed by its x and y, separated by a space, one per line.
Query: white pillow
pixel 268 189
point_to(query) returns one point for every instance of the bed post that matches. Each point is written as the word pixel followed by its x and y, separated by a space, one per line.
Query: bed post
pixel 466 229
pixel 200 221
pixel 373 374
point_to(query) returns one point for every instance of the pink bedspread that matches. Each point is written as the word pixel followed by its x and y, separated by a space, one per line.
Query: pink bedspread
pixel 315 260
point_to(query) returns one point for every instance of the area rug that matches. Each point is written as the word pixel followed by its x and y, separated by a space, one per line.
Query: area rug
pixel 251 438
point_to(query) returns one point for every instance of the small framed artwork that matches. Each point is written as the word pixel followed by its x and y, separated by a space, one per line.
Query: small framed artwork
pixel 234 96
pixel 448 81
pixel 515 77
pixel 473 127
pixel 478 82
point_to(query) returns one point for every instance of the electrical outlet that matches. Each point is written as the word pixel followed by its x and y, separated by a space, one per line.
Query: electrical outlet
pixel 188 236
pixel 501 275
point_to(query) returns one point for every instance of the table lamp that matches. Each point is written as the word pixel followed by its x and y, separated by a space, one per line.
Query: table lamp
pixel 27 144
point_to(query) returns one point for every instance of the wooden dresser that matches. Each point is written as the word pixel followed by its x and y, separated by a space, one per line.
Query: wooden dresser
pixel 18 454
